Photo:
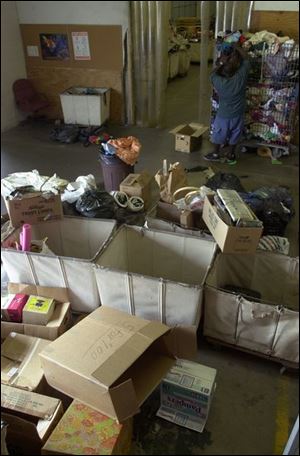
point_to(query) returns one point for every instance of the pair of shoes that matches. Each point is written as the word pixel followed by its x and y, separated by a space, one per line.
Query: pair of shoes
pixel 135 203
pixel 213 156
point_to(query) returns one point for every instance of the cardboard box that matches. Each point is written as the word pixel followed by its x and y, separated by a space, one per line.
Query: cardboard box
pixel 83 430
pixel 110 361
pixel 231 239
pixel 31 418
pixel 186 394
pixel 38 310
pixel 188 136
pixel 57 325
pixel 20 363
pixel 34 208
pixel 169 212
pixel 12 307
pixel 138 185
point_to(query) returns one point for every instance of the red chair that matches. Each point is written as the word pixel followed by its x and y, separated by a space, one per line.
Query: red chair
pixel 27 99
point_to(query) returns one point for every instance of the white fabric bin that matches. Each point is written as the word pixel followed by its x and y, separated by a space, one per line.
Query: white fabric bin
pixel 86 106
pixel 154 275
pixel 173 64
pixel 75 241
pixel 269 327
pixel 184 62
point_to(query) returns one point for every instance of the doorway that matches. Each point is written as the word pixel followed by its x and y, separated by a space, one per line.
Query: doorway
pixel 183 94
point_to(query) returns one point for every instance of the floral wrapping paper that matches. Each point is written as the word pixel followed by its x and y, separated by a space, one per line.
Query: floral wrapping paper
pixel 83 430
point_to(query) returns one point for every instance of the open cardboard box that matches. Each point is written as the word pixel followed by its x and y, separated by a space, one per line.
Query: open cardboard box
pixel 138 185
pixel 20 363
pixel 30 417
pixel 34 208
pixel 230 239
pixel 59 322
pixel 188 136
pixel 110 360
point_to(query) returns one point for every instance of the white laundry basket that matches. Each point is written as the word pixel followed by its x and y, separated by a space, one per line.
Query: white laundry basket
pixel 155 275
pixel 269 327
pixel 75 241
pixel 86 106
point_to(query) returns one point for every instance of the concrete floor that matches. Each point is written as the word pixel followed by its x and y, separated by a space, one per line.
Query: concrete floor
pixel 255 406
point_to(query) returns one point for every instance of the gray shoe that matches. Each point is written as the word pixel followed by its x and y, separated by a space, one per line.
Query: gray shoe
pixel 212 156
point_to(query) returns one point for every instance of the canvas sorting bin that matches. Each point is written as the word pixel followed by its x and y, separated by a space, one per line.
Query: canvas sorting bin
pixel 154 275
pixel 269 327
pixel 86 106
pixel 76 241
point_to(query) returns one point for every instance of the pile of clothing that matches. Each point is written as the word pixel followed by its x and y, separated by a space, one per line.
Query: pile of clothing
pixel 70 134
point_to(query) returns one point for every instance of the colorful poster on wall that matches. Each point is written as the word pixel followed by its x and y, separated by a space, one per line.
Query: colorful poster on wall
pixel 81 46
pixel 54 46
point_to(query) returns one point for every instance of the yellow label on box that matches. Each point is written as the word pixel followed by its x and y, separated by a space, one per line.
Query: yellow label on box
pixel 38 304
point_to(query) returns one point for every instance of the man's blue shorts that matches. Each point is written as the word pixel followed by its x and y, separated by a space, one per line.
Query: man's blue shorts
pixel 227 131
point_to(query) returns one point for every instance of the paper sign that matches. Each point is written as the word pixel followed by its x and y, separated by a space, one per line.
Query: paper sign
pixel 33 51
pixel 81 46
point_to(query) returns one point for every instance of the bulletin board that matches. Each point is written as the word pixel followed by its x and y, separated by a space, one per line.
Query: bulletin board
pixel 104 68
pixel 105 42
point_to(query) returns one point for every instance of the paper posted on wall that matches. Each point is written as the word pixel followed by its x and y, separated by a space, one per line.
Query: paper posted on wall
pixel 81 46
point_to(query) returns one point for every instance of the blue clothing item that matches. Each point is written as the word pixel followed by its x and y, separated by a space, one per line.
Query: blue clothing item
pixel 227 131
pixel 232 92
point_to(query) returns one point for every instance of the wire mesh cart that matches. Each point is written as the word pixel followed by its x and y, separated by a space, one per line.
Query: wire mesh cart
pixel 272 98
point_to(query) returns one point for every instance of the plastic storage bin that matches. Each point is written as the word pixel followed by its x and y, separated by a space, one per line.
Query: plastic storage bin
pixel 75 242
pixel 86 106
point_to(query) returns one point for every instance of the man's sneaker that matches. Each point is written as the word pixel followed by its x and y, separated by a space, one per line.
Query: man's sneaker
pixel 230 159
pixel 212 157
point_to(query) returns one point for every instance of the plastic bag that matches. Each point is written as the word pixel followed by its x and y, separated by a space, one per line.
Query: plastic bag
pixel 96 203
pixel 127 149
pixel 75 189
pixel 225 180
pixel 40 246
pixel 65 134
pixel 273 206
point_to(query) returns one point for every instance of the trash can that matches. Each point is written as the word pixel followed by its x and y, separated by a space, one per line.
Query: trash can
pixel 114 171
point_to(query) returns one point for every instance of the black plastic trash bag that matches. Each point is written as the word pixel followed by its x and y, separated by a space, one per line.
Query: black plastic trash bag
pixel 65 134
pixel 123 215
pixel 225 180
pixel 273 206
pixel 96 203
